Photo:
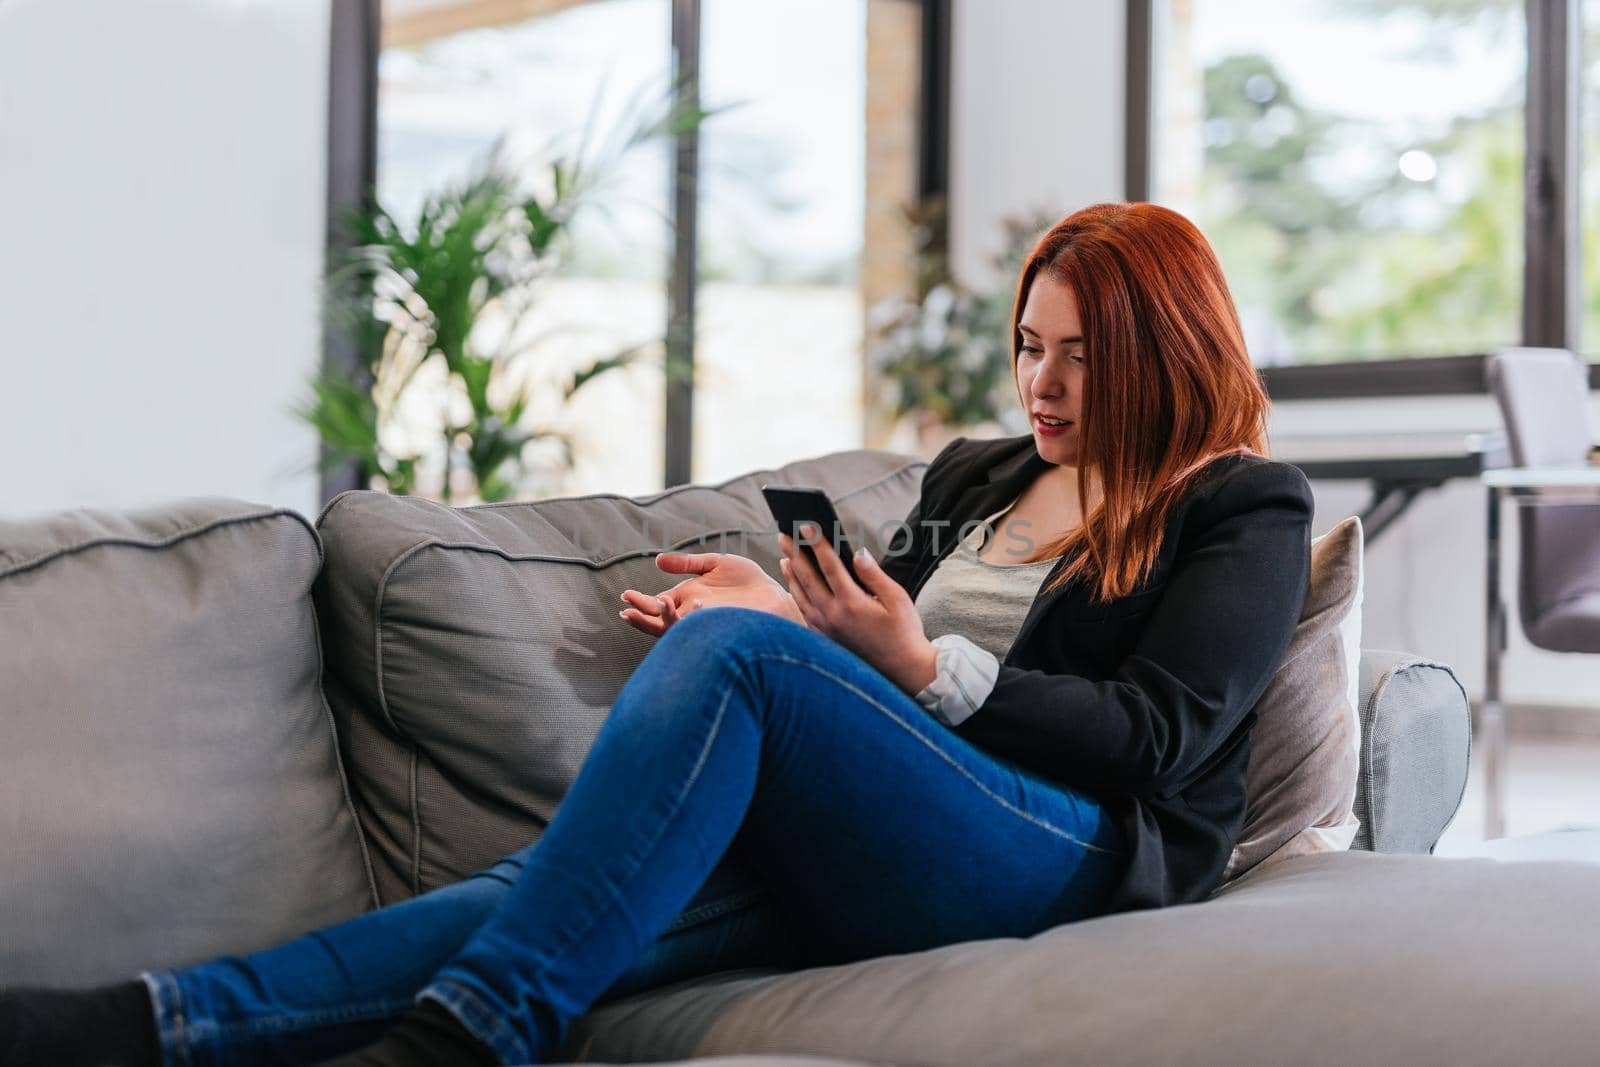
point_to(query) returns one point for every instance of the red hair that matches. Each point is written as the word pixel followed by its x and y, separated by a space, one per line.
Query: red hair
pixel 1168 385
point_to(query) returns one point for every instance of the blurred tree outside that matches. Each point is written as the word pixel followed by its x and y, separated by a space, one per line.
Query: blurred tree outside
pixel 1346 238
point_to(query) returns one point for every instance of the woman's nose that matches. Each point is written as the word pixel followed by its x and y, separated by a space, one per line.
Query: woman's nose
pixel 1047 387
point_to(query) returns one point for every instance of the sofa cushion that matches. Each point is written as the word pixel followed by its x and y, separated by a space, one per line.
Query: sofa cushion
pixel 168 769
pixel 1334 958
pixel 474 652
pixel 1305 749
pixel 1416 744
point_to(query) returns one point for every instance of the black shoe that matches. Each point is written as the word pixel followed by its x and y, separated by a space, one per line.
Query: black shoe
pixel 427 1036
pixel 108 1026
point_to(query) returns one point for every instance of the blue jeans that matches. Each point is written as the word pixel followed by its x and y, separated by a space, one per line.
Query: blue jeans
pixel 759 795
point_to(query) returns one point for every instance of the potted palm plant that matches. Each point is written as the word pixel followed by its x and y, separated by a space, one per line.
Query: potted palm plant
pixel 450 287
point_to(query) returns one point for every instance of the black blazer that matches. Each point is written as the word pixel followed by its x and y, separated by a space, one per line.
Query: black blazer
pixel 1144 703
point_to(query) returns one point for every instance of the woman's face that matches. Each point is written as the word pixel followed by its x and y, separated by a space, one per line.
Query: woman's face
pixel 1050 368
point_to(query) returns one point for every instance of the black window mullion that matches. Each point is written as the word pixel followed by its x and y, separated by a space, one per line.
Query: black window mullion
pixel 684 208
pixel 1552 301
pixel 353 32
pixel 1139 92
pixel 933 120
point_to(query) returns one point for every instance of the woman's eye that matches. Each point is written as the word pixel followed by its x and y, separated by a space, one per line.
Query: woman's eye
pixel 1031 348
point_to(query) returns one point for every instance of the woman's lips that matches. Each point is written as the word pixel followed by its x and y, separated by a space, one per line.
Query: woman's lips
pixel 1050 431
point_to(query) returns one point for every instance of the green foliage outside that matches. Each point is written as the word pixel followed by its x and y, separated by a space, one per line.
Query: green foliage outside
pixel 1384 266
pixel 452 285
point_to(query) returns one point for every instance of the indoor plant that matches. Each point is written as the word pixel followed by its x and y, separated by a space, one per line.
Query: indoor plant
pixel 451 286
pixel 943 359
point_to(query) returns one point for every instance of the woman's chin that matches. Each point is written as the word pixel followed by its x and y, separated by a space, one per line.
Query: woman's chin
pixel 1062 453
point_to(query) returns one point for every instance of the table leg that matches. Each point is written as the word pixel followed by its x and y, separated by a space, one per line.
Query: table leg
pixel 1491 719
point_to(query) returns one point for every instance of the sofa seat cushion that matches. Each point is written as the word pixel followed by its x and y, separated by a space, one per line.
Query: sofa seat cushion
pixel 1332 958
pixel 169 775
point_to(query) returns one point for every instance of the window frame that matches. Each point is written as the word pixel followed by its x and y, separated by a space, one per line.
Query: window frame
pixel 1551 245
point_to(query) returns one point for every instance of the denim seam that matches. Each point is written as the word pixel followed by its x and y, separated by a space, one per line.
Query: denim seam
pixel 177 1034
pixel 272 1025
pixel 936 750
pixel 720 906
pixel 644 853
pixel 478 1020
pixel 171 1035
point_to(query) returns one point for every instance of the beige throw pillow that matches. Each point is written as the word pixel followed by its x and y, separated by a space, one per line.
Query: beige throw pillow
pixel 1305 750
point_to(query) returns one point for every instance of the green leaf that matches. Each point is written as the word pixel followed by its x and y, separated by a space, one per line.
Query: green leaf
pixel 601 366
pixel 542 227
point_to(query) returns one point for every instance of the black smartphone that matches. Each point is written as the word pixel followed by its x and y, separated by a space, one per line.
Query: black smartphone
pixel 794 504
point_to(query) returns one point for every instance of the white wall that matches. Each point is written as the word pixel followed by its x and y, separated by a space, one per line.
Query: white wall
pixel 162 184
pixel 1037 105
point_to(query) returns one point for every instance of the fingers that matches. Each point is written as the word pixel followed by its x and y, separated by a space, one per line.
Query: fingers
pixel 643 623
pixel 649 614
pixel 648 603
pixel 833 570
pixel 808 610
pixel 687 562
pixel 669 613
pixel 802 574
pixel 872 577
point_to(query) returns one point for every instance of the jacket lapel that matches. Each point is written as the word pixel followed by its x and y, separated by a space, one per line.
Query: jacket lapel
pixel 1013 466
pixel 992 481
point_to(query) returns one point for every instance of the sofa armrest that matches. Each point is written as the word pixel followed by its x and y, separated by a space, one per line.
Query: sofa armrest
pixel 1416 739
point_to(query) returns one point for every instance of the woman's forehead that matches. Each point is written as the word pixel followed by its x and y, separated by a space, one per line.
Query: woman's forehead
pixel 1050 309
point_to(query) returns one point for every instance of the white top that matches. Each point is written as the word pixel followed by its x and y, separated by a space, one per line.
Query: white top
pixel 972 610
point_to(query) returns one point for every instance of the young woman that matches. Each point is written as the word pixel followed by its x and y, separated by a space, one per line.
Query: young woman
pixel 1038 710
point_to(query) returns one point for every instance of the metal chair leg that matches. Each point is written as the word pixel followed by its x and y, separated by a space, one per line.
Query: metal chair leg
pixel 1491 719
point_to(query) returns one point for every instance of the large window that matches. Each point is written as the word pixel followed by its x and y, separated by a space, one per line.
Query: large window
pixel 779 339
pixel 1358 165
pixel 813 142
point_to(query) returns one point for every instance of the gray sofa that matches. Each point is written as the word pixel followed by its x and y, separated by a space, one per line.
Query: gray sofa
pixel 225 725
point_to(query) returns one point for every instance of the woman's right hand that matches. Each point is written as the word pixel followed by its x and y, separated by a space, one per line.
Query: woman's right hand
pixel 716 578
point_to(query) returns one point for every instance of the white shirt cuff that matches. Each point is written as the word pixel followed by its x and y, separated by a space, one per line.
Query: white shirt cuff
pixel 965 677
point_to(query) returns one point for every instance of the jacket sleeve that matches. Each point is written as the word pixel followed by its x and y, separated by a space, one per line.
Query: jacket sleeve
pixel 1207 651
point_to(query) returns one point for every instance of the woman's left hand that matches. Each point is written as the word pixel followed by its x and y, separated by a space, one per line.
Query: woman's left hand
pixel 879 623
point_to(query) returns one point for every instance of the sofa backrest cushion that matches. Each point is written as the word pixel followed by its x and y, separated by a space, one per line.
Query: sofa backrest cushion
pixel 168 769
pixel 1300 785
pixel 474 652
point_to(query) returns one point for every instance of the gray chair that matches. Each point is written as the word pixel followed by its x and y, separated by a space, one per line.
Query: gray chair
pixel 1543 395
pixel 1544 399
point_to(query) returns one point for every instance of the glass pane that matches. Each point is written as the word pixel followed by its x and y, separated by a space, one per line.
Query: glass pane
pixel 1356 163
pixel 779 337
pixel 455 77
